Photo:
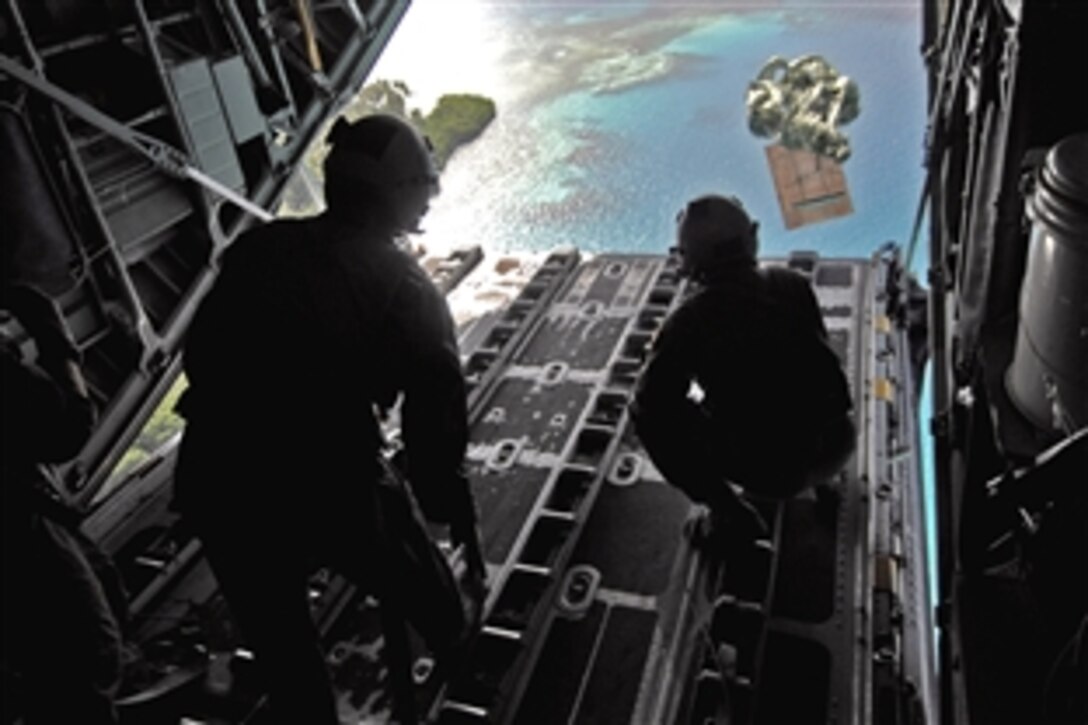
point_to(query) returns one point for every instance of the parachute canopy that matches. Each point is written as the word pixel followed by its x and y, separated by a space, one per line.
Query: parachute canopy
pixel 801 103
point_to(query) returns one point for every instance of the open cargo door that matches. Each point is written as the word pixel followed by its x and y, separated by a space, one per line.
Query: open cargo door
pixel 126 126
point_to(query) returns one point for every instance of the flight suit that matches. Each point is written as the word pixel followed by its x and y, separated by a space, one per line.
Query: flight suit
pixel 772 407
pixel 311 324
pixel 62 640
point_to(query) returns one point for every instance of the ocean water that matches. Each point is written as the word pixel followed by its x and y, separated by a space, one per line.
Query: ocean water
pixel 612 114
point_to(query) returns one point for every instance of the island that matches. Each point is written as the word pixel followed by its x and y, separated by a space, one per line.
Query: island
pixel 456 120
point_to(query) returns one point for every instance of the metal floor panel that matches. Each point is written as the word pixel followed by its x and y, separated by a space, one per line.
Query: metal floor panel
pixel 609 613
pixel 600 609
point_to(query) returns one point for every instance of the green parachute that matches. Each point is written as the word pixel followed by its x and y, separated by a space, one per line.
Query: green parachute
pixel 801 103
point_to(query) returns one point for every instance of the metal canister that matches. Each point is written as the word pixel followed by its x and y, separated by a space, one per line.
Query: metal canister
pixel 1047 379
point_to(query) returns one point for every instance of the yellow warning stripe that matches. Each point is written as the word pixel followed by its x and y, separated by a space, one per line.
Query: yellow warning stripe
pixel 885 573
pixel 883 389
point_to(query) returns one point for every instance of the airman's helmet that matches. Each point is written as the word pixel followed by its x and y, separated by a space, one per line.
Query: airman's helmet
pixel 381 161
pixel 715 231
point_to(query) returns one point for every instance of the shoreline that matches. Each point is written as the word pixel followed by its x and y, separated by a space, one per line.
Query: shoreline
pixel 607 56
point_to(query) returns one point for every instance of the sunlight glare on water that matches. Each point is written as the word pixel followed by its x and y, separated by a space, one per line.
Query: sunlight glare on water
pixel 612 115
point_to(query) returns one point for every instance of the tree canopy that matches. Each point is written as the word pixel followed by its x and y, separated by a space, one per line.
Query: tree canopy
pixel 455 120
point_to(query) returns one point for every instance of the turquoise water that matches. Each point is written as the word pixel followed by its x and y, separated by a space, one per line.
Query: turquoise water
pixel 607 171
pixel 567 163
pixel 674 140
